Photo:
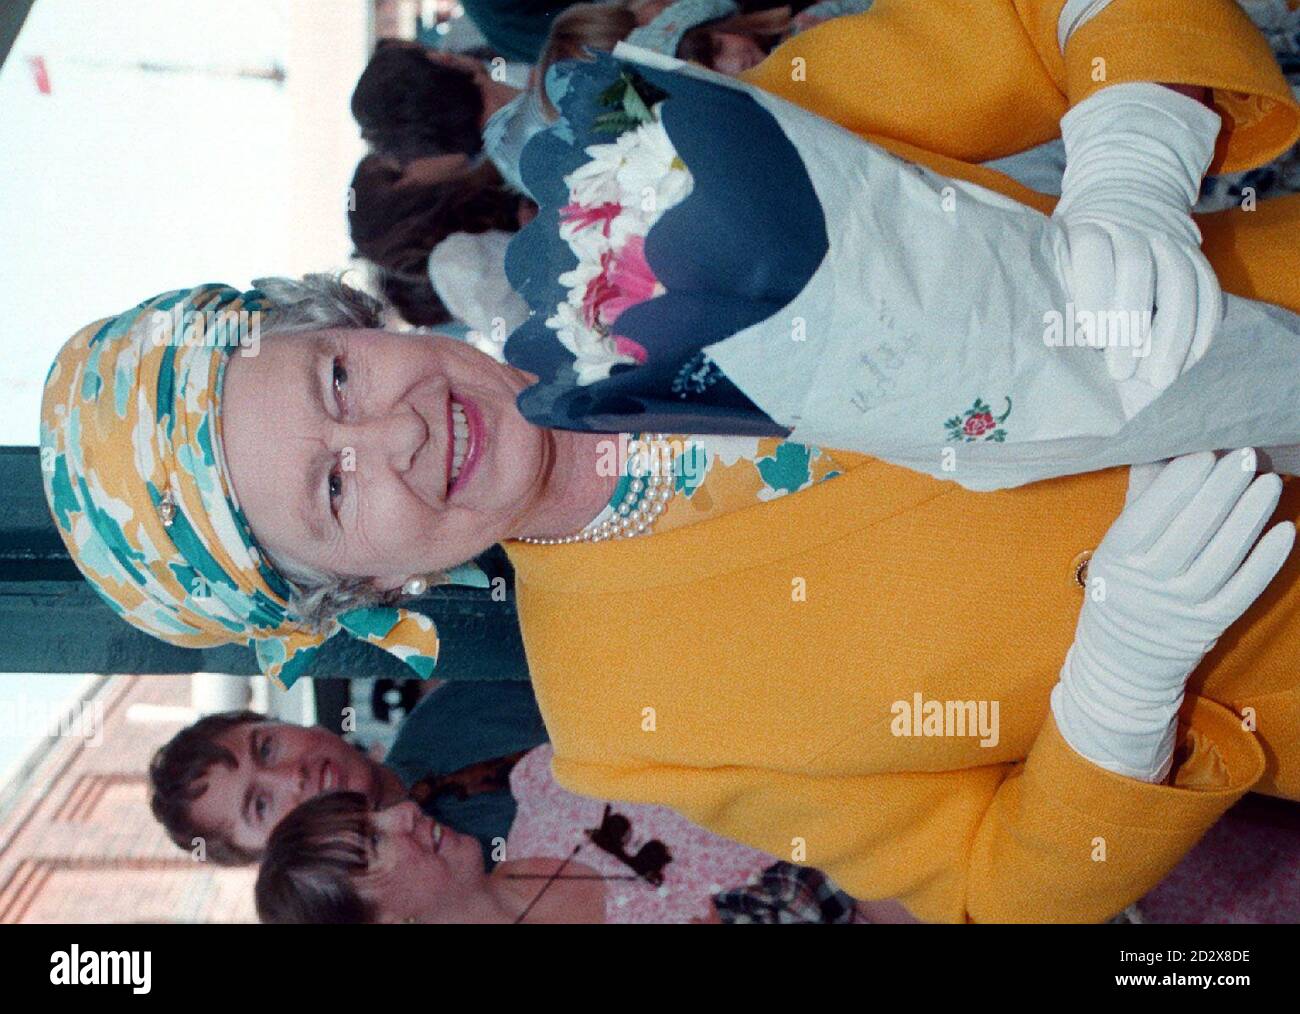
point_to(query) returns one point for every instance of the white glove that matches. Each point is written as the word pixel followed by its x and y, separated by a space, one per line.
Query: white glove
pixel 1135 155
pixel 1162 587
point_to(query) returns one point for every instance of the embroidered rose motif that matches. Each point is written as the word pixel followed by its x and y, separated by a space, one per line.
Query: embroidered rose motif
pixel 978 424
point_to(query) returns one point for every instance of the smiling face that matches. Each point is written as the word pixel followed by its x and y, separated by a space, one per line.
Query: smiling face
pixel 277 766
pixel 420 869
pixel 363 453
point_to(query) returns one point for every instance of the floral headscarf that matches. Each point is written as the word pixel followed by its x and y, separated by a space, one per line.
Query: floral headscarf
pixel 135 477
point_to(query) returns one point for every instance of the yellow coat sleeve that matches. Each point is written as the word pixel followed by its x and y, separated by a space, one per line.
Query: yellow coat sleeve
pixel 1054 838
pixel 979 79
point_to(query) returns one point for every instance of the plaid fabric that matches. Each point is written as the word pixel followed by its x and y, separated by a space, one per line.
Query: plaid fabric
pixel 786 893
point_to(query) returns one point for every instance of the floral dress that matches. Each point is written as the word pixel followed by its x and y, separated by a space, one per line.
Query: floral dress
pixel 551 822
pixel 717 474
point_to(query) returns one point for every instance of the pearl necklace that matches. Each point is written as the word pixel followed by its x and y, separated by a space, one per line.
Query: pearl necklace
pixel 643 503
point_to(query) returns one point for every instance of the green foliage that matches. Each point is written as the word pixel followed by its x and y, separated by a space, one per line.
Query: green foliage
pixel 628 100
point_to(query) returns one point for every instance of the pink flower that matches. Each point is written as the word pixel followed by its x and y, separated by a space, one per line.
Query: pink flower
pixel 600 290
pixel 631 277
pixel 979 424
pixel 625 279
pixel 627 347
pixel 581 216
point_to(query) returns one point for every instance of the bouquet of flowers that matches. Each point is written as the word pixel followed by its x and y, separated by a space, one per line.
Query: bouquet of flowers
pixel 614 200
pixel 709 258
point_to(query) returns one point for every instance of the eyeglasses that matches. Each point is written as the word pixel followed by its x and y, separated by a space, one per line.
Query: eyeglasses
pixel 612 837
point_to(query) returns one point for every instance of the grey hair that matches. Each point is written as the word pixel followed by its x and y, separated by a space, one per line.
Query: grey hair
pixel 320 302
pixel 316 303
pixel 316 596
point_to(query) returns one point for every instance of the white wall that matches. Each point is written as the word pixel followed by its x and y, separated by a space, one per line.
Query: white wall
pixel 124 182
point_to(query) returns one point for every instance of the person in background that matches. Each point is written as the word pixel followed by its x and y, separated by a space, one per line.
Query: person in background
pixel 437 228
pixel 826 10
pixel 518 29
pixel 600 27
pixel 717 34
pixel 468 273
pixel 597 26
pixel 583 27
pixel 228 779
pixel 567 859
pixel 515 28
pixel 732 38
pixel 412 101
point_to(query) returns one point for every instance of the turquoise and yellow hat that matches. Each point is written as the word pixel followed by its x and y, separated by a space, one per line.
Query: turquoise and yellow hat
pixel 136 481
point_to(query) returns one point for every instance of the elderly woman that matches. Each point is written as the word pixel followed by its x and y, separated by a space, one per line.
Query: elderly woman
pixel 757 642
pixel 821 655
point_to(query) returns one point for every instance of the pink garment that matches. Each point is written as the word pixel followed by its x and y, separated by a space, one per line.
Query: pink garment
pixel 550 821
pixel 1245 870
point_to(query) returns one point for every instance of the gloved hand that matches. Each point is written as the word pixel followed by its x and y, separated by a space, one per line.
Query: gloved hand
pixel 1135 155
pixel 1164 584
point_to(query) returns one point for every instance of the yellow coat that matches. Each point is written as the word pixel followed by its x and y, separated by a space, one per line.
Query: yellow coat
pixel 686 668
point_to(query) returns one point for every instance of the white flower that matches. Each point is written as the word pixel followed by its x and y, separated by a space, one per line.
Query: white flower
pixel 589 243
pixel 631 221
pixel 577 280
pixel 640 171
pixel 595 354
pixel 651 177
pixel 596 182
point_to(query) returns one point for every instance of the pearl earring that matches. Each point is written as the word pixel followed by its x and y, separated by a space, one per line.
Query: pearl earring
pixel 415 586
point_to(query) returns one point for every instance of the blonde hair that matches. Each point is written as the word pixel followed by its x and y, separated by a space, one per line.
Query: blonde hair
pixel 574 31
pixel 602 26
